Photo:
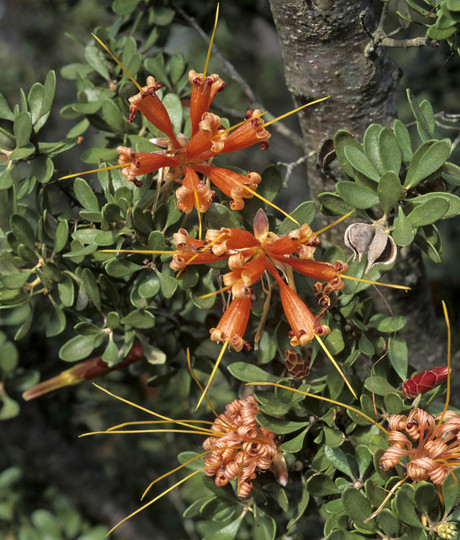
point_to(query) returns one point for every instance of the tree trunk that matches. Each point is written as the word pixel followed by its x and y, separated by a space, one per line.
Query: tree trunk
pixel 323 44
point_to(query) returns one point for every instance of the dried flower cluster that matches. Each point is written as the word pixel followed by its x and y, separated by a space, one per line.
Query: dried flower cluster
pixel 431 444
pixel 241 447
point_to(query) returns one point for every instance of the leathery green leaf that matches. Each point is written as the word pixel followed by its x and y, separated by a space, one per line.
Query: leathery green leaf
pixel 361 163
pixel 403 138
pixel 358 508
pixel 320 485
pixel 389 152
pixel 427 160
pixel 77 348
pixel 371 146
pixel 356 196
pixel 405 509
pixel 22 128
pixel 428 212
pixel 403 232
pixel 389 191
pixel 342 140
pixel 85 195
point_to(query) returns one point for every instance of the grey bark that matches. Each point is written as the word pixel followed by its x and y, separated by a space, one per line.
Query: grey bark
pixel 323 44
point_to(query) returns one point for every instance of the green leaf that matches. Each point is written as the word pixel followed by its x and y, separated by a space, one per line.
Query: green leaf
pixel 85 195
pixel 428 212
pixel 264 526
pixel 22 128
pixel 139 319
pixel 279 425
pixel 363 458
pixel 176 67
pixel 394 403
pixel 77 348
pixel 91 287
pixel 378 385
pixel 219 216
pixel 403 138
pixel 358 508
pixel 43 168
pixel 389 152
pixel 339 460
pixel 57 321
pixel 6 180
pixel 334 204
pixel 355 195
pixel 344 139
pixel 96 60
pixel 22 230
pixel 427 160
pixel 304 213
pixel 271 183
pixel 175 110
pixel 387 324
pixel 405 509
pixel 321 485
pixel 451 173
pixel 168 285
pixel 399 356
pixel 119 268
pixel 425 497
pixel 227 532
pixel 5 111
pixel 110 354
pixel 371 146
pixel 295 444
pixel 451 489
pixel 10 408
pixel 454 202
pixel 403 233
pixel 124 7
pixel 61 236
pixel 34 99
pixel 48 93
pixel 388 522
pixel 249 373
pixel 361 163
pixel 423 123
pixel 389 191
pixel 112 116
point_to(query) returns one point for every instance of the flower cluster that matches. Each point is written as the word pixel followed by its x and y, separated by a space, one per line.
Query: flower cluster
pixel 431 444
pixel 241 447
pixel 249 257
pixel 183 159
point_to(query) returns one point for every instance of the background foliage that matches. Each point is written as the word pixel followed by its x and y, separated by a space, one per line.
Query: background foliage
pixel 65 301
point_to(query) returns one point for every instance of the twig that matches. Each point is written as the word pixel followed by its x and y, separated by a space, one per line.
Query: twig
pixel 379 38
pixel 291 166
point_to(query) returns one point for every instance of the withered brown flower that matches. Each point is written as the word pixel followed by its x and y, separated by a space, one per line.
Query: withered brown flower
pixel 241 448
pixel 431 444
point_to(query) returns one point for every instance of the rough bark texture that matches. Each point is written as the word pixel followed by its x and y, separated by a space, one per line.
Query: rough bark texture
pixel 323 42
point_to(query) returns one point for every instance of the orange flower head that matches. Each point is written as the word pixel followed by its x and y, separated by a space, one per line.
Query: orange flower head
pixel 233 323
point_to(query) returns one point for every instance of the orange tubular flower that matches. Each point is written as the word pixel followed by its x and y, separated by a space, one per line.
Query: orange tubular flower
pixel 191 251
pixel 233 323
pixel 83 371
pixel 183 159
pixel 249 257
